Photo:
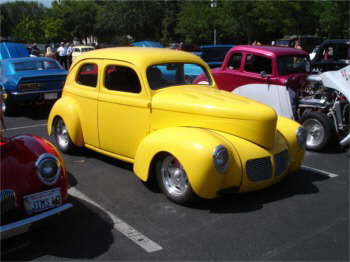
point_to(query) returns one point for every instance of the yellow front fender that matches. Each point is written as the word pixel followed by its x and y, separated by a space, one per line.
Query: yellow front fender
pixel 67 109
pixel 194 148
pixel 288 128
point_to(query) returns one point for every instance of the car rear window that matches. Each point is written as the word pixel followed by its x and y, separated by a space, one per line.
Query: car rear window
pixel 86 49
pixel 293 64
pixel 36 65
pixel 87 75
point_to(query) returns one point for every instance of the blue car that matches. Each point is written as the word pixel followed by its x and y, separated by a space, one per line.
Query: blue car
pixel 214 55
pixel 30 79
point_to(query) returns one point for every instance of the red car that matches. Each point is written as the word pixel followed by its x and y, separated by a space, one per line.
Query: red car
pixel 34 183
pixel 269 74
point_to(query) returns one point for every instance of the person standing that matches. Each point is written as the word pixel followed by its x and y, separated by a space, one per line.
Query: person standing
pixel 69 55
pixel 62 55
pixel 49 52
pixel 297 44
pixel 34 50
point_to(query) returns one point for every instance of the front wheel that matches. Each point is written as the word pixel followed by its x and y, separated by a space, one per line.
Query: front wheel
pixel 173 181
pixel 319 130
pixel 62 138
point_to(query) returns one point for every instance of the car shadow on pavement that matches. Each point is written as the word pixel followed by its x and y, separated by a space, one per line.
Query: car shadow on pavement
pixel 83 232
pixel 298 183
pixel 109 160
pixel 34 112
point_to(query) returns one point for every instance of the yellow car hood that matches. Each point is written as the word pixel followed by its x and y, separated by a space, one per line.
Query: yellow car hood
pixel 207 107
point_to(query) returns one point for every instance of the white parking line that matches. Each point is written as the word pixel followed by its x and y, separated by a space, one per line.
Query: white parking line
pixel 127 230
pixel 322 172
pixel 24 127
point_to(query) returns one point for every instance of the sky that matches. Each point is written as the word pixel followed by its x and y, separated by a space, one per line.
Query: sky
pixel 46 3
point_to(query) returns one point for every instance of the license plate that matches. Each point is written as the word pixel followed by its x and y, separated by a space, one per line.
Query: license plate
pixel 50 96
pixel 42 201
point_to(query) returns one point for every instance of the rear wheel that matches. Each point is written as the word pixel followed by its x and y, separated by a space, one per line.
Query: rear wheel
pixel 62 138
pixel 173 181
pixel 319 130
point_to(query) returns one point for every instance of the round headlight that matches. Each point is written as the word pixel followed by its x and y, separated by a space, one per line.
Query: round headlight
pixel 221 157
pixel 48 168
pixel 301 136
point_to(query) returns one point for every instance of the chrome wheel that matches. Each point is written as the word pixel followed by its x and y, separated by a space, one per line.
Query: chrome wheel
pixel 173 176
pixel 62 134
pixel 319 130
pixel 315 132
pixel 63 140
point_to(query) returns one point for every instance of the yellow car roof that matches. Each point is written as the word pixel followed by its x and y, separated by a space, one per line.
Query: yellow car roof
pixel 143 56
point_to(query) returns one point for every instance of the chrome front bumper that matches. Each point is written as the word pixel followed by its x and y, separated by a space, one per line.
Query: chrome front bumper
pixel 23 225
pixel 345 141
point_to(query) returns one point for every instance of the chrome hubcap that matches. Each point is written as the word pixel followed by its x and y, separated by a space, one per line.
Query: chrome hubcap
pixel 62 134
pixel 174 176
pixel 315 132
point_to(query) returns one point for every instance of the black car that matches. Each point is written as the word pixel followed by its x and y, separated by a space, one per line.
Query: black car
pixel 332 55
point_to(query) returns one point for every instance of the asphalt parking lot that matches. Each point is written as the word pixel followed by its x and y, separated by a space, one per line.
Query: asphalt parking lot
pixel 116 217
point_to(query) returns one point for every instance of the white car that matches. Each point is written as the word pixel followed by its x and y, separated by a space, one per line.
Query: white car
pixel 78 50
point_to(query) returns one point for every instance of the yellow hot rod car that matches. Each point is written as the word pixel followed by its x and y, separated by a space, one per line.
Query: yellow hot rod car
pixel 140 105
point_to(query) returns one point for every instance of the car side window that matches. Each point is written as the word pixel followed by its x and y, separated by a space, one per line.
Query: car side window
pixel 122 78
pixel 87 75
pixel 235 61
pixel 257 64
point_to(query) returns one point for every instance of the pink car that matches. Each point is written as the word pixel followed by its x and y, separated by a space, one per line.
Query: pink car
pixel 271 75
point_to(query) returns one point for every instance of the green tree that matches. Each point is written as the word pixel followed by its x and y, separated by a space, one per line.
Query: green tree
pixel 53 29
pixel 333 18
pixel 12 13
pixel 28 30
pixel 194 23
pixel 117 19
pixel 79 17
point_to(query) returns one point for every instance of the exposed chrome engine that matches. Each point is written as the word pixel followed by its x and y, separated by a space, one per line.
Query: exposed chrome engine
pixel 316 97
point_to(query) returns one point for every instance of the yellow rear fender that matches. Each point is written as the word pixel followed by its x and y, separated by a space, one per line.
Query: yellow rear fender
pixel 193 148
pixel 288 129
pixel 67 109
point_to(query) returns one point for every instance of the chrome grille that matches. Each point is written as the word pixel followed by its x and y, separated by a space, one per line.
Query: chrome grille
pixel 281 162
pixel 8 200
pixel 259 169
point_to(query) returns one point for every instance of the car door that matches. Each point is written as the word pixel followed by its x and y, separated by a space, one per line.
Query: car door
pixel 124 109
pixel 82 86
pixel 230 76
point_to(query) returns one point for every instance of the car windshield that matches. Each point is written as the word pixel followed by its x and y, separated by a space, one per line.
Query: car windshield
pixel 214 54
pixel 293 64
pixel 172 74
pixel 36 65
